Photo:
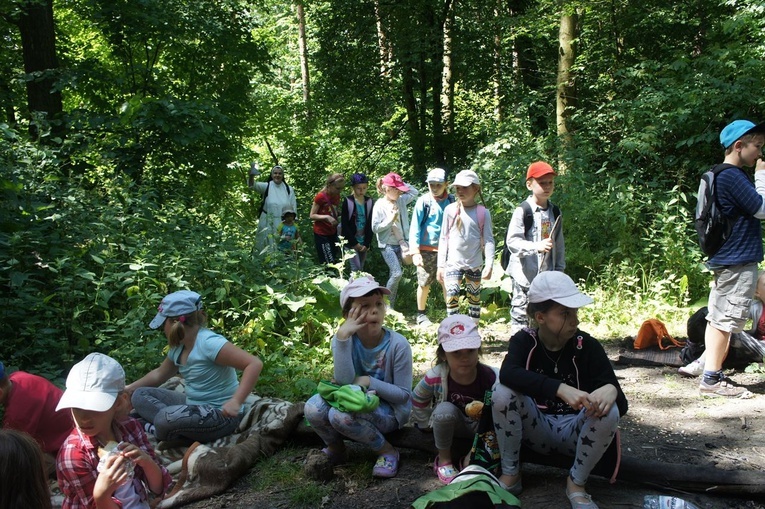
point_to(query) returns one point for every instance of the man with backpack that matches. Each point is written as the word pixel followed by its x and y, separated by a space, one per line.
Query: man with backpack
pixel 534 240
pixel 734 263
pixel 424 232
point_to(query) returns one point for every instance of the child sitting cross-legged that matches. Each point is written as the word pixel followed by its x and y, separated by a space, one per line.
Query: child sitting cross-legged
pixel 458 379
pixel 371 356
pixel 107 460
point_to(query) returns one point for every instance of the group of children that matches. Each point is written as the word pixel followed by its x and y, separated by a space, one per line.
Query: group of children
pixel 450 238
pixel 95 431
pixel 556 392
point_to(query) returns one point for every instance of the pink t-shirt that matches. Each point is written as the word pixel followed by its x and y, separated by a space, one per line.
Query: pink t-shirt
pixel 31 407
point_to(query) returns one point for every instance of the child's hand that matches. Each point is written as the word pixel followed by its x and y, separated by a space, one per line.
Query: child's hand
pixel 417 259
pixel 134 454
pixel 440 275
pixel 487 272
pixel 355 320
pixel 573 397
pixel 231 408
pixel 362 381
pixel 545 245
pixel 114 474
pixel 601 400
pixel 760 165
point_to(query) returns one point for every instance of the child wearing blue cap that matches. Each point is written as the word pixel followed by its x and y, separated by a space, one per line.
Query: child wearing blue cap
pixel 212 405
pixel 735 264
pixel 356 221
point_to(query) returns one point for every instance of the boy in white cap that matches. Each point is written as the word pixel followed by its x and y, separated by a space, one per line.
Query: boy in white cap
pixel 375 358
pixel 557 391
pixel 458 379
pixel 735 264
pixel 534 238
pixel 424 234
pixel 95 393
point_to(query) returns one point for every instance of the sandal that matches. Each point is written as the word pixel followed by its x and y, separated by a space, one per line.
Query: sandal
pixel 445 472
pixel 386 465
pixel 581 505
pixel 335 458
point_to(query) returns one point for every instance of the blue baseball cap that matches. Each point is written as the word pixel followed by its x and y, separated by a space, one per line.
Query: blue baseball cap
pixel 738 128
pixel 176 304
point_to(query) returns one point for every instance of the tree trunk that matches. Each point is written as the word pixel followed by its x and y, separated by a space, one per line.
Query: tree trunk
pixel 499 114
pixel 303 49
pixel 38 40
pixel 565 83
pixel 383 43
pixel 447 84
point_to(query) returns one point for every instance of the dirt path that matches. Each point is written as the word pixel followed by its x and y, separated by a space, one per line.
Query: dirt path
pixel 667 421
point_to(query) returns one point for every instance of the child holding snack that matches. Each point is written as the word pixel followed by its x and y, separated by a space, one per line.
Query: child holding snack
pixel 458 379
pixel 95 393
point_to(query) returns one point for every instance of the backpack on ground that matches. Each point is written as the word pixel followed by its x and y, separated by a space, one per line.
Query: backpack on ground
pixel 712 226
pixel 654 332
pixel 528 222
pixel 473 487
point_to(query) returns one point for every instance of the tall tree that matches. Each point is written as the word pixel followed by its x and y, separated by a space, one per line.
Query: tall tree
pixel 565 83
pixel 303 49
pixel 38 40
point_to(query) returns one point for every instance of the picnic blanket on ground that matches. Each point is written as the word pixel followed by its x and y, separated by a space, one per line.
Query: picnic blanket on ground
pixel 203 470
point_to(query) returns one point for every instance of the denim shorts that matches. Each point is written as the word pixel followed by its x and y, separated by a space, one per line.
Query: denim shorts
pixel 731 296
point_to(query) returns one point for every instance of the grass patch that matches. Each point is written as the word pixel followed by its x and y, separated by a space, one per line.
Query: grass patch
pixel 283 473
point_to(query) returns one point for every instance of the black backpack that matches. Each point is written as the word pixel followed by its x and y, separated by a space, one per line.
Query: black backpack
pixel 528 222
pixel 712 226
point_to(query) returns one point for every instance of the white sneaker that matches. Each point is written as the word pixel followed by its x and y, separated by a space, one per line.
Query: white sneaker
pixel 693 369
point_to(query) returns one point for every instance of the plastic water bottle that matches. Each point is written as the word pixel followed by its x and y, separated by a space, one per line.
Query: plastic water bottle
pixel 666 502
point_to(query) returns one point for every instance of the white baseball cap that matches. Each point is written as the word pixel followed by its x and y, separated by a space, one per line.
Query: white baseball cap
pixel 93 384
pixel 436 175
pixel 359 287
pixel 557 286
pixel 466 178
pixel 458 332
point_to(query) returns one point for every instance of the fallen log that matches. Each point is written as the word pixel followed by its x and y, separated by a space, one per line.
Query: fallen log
pixel 657 474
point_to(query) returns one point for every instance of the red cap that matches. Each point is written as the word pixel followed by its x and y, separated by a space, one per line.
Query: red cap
pixel 539 169
pixel 394 180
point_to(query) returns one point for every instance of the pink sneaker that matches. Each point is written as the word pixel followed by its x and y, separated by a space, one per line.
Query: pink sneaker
pixel 445 472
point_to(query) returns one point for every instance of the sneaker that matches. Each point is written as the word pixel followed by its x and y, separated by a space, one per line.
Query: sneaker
pixel 693 369
pixel 723 389
pixel 386 465
pixel 445 472
pixel 423 320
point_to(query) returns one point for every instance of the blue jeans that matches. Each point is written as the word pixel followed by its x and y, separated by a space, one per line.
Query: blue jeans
pixel 174 419
pixel 332 425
